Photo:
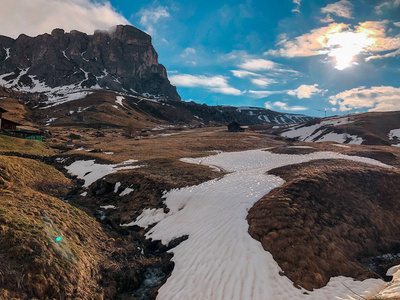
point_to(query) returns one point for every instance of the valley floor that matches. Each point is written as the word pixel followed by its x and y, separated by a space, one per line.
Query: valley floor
pixel 220 260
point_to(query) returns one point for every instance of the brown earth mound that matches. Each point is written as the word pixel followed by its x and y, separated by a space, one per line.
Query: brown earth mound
pixel 326 217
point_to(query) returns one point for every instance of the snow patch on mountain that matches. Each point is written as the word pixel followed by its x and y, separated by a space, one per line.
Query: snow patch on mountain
pixel 323 131
pixel 394 135
pixel 90 171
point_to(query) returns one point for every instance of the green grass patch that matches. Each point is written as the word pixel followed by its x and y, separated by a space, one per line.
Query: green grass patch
pixel 24 146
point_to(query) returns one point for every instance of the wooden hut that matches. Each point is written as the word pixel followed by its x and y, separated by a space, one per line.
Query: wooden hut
pixel 236 127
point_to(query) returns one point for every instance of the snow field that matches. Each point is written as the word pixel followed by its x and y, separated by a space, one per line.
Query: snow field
pixel 220 260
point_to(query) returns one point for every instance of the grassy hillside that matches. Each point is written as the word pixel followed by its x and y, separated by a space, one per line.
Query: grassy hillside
pixel 29 147
pixel 51 249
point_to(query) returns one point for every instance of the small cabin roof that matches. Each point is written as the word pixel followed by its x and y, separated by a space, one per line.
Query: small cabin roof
pixel 10 122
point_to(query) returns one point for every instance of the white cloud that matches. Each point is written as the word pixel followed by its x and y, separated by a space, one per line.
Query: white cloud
pixel 149 17
pixel 341 8
pixel 305 91
pixel 283 106
pixel 327 19
pixel 188 51
pixel 257 65
pixel 35 17
pixel 396 24
pixel 255 78
pixel 342 42
pixel 235 55
pixel 244 74
pixel 217 84
pixel 377 98
pixel 263 81
pixel 189 54
pixel 390 54
pixel 254 64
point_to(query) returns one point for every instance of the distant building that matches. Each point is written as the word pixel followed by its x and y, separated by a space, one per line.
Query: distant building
pixel 236 127
pixel 1 115
pixel 7 124
pixel 12 128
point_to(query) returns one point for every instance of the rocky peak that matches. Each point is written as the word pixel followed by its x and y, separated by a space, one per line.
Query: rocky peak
pixel 122 59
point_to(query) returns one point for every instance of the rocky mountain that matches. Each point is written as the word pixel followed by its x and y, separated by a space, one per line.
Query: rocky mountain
pixel 62 65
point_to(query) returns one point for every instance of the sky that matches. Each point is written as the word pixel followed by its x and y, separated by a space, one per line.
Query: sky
pixel 297 56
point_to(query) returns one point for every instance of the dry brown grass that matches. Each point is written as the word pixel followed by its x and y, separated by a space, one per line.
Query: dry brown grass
pixel 327 216
pixel 16 111
pixel 86 264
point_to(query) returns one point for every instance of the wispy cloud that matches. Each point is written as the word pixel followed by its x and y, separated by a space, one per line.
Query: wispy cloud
pixel 283 106
pixel 263 65
pixel 150 17
pixel 258 65
pixel 377 98
pixel 303 91
pixel 244 74
pixel 42 16
pixel 264 94
pixel 263 81
pixel 306 91
pixel 189 54
pixel 297 4
pixel 341 8
pixel 188 51
pixel 387 5
pixel 327 19
pixel 216 84
pixel 255 78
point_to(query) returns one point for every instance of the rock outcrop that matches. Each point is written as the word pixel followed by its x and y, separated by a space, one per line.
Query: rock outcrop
pixel 122 60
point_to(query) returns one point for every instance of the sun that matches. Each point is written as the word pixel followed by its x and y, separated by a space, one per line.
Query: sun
pixel 344 46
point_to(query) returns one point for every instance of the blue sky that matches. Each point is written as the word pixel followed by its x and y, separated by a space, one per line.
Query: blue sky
pixel 301 56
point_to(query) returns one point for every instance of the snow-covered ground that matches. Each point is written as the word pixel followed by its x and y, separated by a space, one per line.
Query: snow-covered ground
pixel 311 133
pixel 119 100
pixel 220 260
pixel 89 171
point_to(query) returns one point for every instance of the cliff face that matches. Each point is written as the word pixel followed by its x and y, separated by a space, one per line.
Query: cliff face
pixel 123 60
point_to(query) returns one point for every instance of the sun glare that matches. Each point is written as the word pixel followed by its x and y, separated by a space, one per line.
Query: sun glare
pixel 344 46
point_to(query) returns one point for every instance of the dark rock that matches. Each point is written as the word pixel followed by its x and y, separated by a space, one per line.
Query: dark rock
pixel 74 136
